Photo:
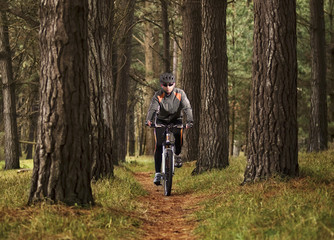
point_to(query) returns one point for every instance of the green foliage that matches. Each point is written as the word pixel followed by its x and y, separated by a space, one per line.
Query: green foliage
pixel 304 69
pixel 239 33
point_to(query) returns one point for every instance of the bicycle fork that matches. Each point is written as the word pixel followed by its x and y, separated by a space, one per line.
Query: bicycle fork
pixel 164 153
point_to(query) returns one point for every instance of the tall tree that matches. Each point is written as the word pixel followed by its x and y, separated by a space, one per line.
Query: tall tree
pixel 233 84
pixel 62 163
pixel 131 129
pixel 122 83
pixel 165 31
pixel 100 21
pixel 191 70
pixel 272 144
pixel 8 90
pixel 33 118
pixel 131 116
pixel 149 46
pixel 318 118
pixel 213 143
pixel 331 72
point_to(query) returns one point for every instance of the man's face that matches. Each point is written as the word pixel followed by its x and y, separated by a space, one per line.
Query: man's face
pixel 168 87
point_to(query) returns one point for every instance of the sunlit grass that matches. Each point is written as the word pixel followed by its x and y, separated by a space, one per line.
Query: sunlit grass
pixel 300 208
pixel 24 164
pixel 115 215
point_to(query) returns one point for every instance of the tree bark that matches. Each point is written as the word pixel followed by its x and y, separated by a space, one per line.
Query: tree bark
pixel 165 31
pixel 11 146
pixel 191 71
pixel 213 143
pixel 175 59
pixel 32 134
pixel 122 82
pixel 331 72
pixel 141 133
pixel 62 163
pixel 132 128
pixel 318 118
pixel 100 78
pixel 233 86
pixel 149 76
pixel 272 143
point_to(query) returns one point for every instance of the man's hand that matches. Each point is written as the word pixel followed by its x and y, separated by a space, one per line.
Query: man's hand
pixel 189 125
pixel 149 123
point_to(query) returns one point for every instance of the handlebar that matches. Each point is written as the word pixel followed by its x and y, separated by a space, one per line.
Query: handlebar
pixel 167 125
pixel 155 125
pixel 170 126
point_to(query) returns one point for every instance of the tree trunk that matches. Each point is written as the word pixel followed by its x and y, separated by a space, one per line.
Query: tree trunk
pixel 156 54
pixel 33 103
pixel 175 59
pixel 191 71
pixel 165 31
pixel 32 133
pixel 149 76
pixel 331 72
pixel 272 143
pixel 62 163
pixel 213 143
pixel 122 82
pixel 318 118
pixel 233 86
pixel 100 78
pixel 11 146
pixel 142 135
pixel 132 129
pixel 232 112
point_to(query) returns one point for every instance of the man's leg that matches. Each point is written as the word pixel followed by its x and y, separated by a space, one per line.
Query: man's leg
pixel 159 137
pixel 178 146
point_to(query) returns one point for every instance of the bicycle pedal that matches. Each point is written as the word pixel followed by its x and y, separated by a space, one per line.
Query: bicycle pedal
pixel 157 183
pixel 178 165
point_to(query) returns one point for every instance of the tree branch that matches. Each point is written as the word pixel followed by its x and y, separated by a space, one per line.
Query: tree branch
pixel 142 81
pixel 28 19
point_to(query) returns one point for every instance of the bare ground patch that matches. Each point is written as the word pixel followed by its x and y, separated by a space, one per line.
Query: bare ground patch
pixel 167 217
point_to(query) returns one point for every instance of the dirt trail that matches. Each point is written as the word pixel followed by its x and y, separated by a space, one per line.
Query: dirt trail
pixel 167 217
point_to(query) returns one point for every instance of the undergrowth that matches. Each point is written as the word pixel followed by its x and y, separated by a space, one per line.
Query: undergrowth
pixel 298 208
pixel 115 215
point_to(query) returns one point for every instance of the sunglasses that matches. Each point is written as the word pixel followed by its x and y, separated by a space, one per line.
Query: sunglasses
pixel 168 84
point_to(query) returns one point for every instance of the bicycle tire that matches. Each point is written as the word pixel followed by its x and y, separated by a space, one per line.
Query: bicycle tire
pixel 168 178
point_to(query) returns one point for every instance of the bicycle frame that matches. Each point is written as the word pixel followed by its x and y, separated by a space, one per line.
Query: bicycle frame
pixel 167 144
pixel 168 151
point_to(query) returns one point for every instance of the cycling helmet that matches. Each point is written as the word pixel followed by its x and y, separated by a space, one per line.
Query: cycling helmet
pixel 167 78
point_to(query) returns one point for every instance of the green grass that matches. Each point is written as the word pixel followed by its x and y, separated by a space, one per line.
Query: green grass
pixel 115 215
pixel 300 208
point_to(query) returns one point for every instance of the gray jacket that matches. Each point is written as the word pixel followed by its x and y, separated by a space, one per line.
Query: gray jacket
pixel 170 107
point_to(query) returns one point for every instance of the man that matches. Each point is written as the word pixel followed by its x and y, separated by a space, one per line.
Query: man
pixel 170 103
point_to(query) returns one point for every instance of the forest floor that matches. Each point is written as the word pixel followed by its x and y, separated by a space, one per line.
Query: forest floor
pixel 167 217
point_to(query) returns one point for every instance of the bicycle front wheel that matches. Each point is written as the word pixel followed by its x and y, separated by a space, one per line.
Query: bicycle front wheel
pixel 168 178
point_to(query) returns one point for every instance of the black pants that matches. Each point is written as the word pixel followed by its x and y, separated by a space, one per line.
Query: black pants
pixel 159 139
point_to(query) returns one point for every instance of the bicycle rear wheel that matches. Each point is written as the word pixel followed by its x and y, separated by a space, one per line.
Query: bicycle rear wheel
pixel 168 178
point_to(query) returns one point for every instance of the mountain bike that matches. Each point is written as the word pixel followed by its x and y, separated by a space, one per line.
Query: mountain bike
pixel 168 161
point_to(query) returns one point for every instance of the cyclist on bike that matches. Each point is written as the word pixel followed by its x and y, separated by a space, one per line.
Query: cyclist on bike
pixel 170 103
